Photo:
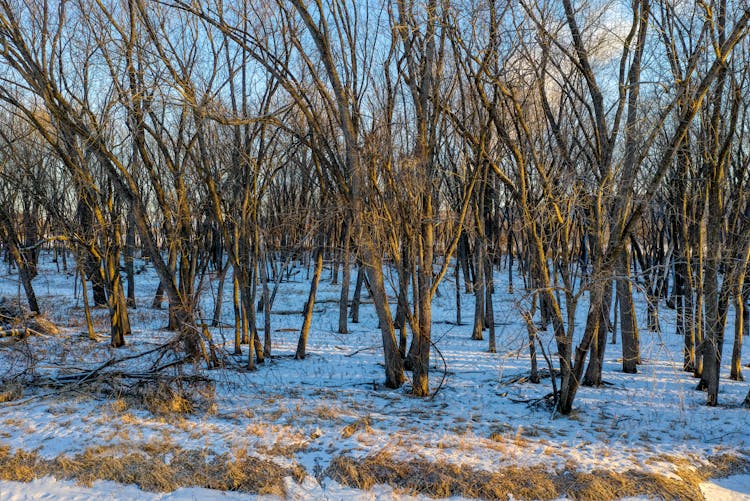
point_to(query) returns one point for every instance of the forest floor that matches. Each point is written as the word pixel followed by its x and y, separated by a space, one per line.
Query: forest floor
pixel 326 428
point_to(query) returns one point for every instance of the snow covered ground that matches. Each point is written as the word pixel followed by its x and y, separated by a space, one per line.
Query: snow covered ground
pixel 731 489
pixel 305 413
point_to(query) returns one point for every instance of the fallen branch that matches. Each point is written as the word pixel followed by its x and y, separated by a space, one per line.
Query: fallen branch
pixel 525 377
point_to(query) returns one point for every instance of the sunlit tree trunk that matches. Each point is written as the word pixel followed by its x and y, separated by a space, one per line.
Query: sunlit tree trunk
pixel 307 313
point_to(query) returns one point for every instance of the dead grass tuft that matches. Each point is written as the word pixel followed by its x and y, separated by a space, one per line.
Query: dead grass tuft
pixel 118 406
pixel 19 466
pixel 161 399
pixel 40 323
pixel 726 464
pixel 362 424
pixel 327 413
pixel 604 485
pixel 11 392
pixel 164 396
pixel 251 474
pixel 440 479
pixel 155 469
pixel 284 449
pixel 147 472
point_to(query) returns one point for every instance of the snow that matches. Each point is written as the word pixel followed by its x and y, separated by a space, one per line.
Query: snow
pixel 735 488
pixel 333 403
pixel 49 488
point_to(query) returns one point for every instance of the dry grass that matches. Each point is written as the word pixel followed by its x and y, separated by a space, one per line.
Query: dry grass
pixel 118 406
pixel 11 392
pixel 362 424
pixel 40 323
pixel 150 469
pixel 440 479
pixel 283 448
pixel 699 469
pixel 162 399
pixel 163 396
pixel 163 467
pixel 723 465
pixel 21 466
pixel 327 413
pixel 13 315
pixel 602 485
pixel 285 441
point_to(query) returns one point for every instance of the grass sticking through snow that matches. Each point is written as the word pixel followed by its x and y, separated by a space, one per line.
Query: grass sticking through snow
pixel 154 469
pixel 441 479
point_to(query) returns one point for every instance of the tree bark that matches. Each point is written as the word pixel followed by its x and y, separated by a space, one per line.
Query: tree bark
pixel 394 367
pixel 593 376
pixel 219 302
pixel 24 274
pixel 735 373
pixel 489 307
pixel 309 306
pixel 628 325
pixel 119 319
pixel 266 307
pixel 357 299
pixel 129 260
pixel 345 279
pixel 86 307
pixel 237 303
pixel 479 292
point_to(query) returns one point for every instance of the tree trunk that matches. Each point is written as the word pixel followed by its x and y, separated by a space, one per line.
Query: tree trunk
pixel 528 317
pixel 86 306
pixel 30 252
pixel 571 374
pixel 714 334
pixel 511 236
pixel 248 329
pixel 457 278
pixel 119 319
pixel 698 306
pixel 158 296
pixel 423 331
pixel 252 311
pixel 735 373
pixel 92 268
pixel 237 302
pixel 402 308
pixel 489 307
pixel 628 325
pixel 357 299
pixel 309 306
pixel 25 275
pixel 422 335
pixel 129 260
pixel 266 307
pixel 462 258
pixel 683 292
pixel 479 293
pixel 9 236
pixel 219 303
pixel 345 279
pixel 394 367
pixel 593 375
pixel 64 253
